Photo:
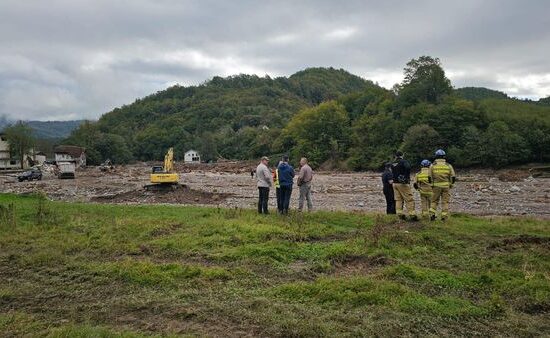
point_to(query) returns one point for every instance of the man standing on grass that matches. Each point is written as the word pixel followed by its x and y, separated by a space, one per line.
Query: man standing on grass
pixel 401 172
pixel 286 180
pixel 442 177
pixel 304 182
pixel 263 176
pixel 387 184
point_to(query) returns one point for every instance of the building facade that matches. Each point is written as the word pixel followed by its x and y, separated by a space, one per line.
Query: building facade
pixel 74 154
pixel 192 156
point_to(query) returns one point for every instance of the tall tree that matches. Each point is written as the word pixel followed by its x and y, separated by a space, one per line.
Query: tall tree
pixel 419 142
pixel 424 81
pixel 321 133
pixel 20 139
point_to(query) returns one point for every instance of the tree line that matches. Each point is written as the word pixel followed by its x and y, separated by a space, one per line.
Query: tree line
pixel 334 118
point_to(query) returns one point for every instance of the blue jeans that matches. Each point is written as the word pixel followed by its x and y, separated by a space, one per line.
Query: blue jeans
pixel 286 192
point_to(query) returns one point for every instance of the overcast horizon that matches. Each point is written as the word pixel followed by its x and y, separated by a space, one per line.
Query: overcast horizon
pixel 66 60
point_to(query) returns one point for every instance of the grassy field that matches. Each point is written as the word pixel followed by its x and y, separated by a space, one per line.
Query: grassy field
pixel 69 269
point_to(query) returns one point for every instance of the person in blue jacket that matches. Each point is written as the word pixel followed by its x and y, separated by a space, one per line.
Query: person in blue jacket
pixel 286 180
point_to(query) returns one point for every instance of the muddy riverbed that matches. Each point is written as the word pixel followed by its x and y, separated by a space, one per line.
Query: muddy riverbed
pixel 481 192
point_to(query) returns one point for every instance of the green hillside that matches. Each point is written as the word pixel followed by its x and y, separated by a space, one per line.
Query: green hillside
pixel 47 130
pixel 514 110
pixel 334 118
pixel 479 93
pixel 233 117
pixel 53 129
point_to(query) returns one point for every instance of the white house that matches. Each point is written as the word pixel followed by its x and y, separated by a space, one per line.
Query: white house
pixel 192 156
pixel 70 154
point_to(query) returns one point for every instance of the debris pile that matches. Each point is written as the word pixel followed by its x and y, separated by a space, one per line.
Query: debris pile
pixel 229 184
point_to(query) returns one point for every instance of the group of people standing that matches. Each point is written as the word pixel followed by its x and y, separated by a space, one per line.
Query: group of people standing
pixel 282 177
pixel 433 183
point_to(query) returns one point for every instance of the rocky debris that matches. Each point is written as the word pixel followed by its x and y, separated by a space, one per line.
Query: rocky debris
pixel 180 195
pixel 476 191
pixel 515 188
pixel 513 175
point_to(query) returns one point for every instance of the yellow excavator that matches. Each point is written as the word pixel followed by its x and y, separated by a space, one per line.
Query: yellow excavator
pixel 164 176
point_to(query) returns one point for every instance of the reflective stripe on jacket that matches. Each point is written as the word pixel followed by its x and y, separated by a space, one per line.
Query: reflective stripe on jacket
pixel 276 178
pixel 441 173
pixel 423 181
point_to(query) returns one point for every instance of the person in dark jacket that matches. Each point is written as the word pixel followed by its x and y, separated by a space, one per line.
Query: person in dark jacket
pixel 387 183
pixel 401 171
pixel 286 180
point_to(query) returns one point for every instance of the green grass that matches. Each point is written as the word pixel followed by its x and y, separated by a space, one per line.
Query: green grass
pixel 91 270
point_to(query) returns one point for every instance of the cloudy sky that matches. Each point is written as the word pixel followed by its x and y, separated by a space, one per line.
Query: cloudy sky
pixel 71 59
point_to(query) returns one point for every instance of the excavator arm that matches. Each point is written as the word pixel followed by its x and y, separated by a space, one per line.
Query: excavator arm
pixel 169 161
pixel 167 176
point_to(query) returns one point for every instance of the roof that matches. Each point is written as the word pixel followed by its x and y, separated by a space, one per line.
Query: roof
pixel 74 151
pixel 191 151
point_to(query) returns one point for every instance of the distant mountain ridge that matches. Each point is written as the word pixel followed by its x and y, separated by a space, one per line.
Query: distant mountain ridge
pixel 54 129
pixel 47 129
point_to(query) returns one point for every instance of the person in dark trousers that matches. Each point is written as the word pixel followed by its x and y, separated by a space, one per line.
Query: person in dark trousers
pixel 277 186
pixel 401 172
pixel 264 178
pixel 286 180
pixel 387 182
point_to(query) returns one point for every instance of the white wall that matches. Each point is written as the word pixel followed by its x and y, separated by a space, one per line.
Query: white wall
pixel 192 156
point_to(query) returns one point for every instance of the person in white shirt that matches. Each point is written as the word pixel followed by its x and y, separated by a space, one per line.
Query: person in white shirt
pixel 264 179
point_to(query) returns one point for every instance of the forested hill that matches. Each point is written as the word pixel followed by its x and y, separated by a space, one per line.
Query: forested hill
pixel 233 117
pixel 46 130
pixel 53 129
pixel 479 93
pixel 333 117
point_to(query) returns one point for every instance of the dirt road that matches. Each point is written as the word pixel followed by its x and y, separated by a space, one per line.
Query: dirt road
pixel 477 192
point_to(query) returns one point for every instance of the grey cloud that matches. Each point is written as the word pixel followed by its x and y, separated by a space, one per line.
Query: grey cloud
pixel 66 59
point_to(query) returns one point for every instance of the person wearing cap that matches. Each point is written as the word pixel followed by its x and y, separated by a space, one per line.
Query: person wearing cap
pixel 401 171
pixel 423 185
pixel 442 176
pixel 286 180
pixel 263 177
pixel 387 188
pixel 304 182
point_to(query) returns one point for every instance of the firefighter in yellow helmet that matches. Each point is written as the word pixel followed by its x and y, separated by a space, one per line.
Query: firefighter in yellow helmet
pixel 442 177
pixel 424 187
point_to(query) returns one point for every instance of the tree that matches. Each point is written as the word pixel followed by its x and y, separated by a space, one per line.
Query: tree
pixel 20 139
pixel 208 148
pixel 502 146
pixel 419 142
pixel 113 147
pixel 321 133
pixel 471 152
pixel 375 139
pixel 424 81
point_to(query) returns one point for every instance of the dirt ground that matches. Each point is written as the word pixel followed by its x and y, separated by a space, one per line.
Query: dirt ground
pixel 480 192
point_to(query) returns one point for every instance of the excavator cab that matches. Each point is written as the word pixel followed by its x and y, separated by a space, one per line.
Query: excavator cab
pixel 164 176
